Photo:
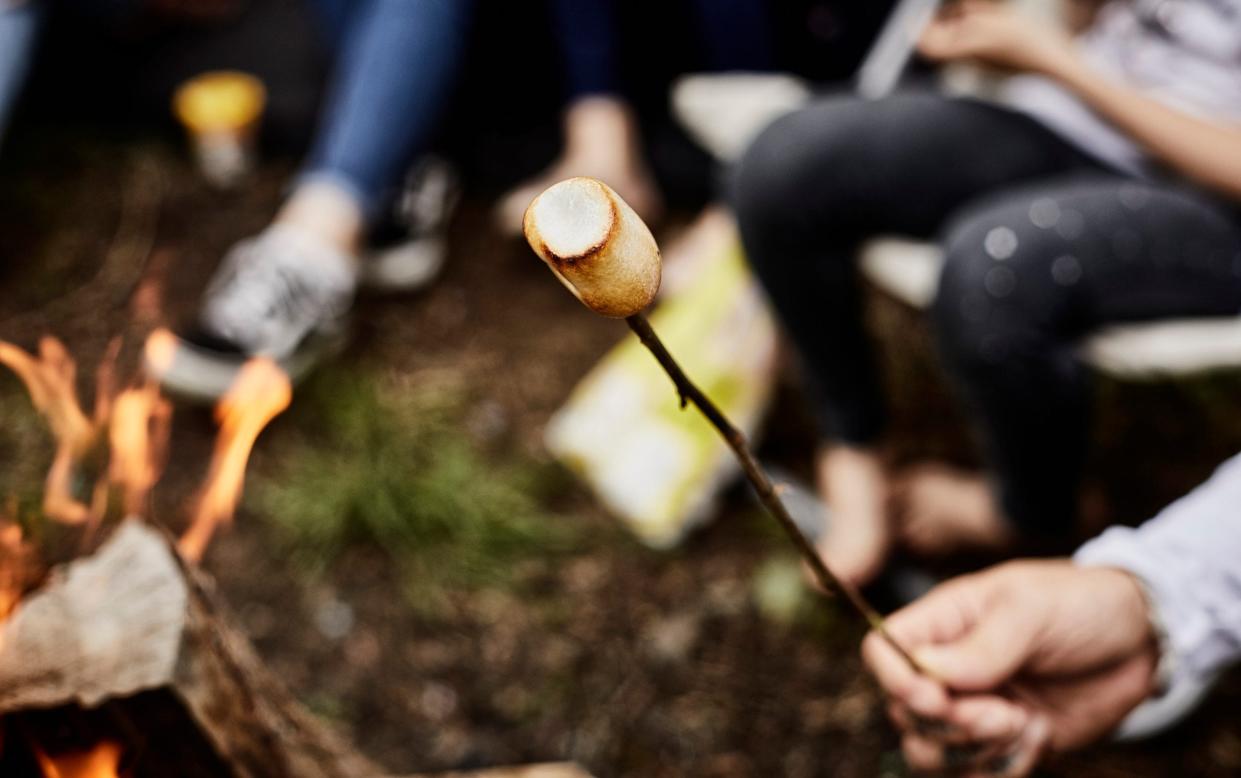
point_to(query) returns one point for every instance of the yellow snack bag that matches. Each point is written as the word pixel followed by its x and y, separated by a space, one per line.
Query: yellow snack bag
pixel 659 468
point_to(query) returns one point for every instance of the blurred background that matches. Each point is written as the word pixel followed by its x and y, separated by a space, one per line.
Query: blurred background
pixel 408 555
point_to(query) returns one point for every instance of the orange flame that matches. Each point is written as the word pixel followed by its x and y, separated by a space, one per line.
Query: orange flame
pixel 160 349
pixel 261 391
pixel 102 761
pixel 50 381
pixel 137 437
pixel 136 422
pixel 15 565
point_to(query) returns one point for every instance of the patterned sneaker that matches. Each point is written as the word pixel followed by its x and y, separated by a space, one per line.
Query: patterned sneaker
pixel 283 294
pixel 407 251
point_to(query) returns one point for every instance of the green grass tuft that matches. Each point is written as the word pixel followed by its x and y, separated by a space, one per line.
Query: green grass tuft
pixel 373 462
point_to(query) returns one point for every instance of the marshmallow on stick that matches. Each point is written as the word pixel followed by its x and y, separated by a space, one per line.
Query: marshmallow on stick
pixel 596 245
pixel 599 248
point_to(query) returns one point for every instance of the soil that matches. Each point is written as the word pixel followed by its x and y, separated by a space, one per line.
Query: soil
pixel 629 661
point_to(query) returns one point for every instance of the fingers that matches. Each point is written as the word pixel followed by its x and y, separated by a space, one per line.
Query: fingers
pixel 1013 757
pixel 968 7
pixel 1034 740
pixel 967 635
pixel 944 614
pixel 987 719
pixel 970 720
pixel 912 723
pixel 927 755
pixel 919 693
pixel 954 33
pixel 986 656
pixel 936 40
pixel 922 754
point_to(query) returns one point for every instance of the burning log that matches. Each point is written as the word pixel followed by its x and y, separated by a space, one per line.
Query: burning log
pixel 134 618
pixel 136 632
pixel 123 661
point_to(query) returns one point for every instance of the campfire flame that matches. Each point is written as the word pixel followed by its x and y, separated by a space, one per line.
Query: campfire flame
pixel 135 424
pixel 102 761
pixel 49 378
pixel 138 439
pixel 15 564
pixel 132 427
pixel 160 349
pixel 262 390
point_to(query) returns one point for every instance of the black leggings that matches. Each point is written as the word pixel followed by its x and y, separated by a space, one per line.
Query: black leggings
pixel 1044 244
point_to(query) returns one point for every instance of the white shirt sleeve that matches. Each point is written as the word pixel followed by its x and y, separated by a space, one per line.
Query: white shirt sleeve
pixel 1189 558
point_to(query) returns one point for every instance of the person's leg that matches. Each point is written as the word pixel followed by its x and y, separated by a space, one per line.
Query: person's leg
pixel 601 134
pixel 1029 273
pixel 285 293
pixel 395 69
pixel 19 31
pixel 809 191
pixel 586 32
pixel 735 34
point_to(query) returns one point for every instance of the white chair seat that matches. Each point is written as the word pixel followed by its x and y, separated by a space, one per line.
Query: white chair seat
pixel 909 271
pixel 725 112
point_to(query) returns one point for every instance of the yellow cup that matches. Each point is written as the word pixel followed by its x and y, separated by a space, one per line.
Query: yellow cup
pixel 221 111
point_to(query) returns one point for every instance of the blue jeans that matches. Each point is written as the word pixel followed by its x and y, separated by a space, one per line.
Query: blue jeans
pixel 19 31
pixel 395 69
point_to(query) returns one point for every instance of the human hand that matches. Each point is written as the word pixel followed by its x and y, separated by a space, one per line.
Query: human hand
pixel 996 35
pixel 1025 658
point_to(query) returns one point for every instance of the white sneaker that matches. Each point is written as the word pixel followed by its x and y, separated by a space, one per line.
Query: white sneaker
pixel 283 294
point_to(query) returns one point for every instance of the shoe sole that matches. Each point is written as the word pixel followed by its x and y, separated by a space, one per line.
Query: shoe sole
pixel 408 267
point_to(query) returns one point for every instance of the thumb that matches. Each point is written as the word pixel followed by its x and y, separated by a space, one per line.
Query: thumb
pixel 983 658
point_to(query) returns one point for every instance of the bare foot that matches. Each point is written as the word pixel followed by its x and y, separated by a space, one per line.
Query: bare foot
pixel 941 510
pixel 854 482
pixel 601 141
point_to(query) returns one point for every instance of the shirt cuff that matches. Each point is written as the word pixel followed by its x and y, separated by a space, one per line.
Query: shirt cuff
pixel 1178 625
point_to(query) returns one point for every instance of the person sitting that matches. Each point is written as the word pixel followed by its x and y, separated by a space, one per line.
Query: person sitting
pixel 1101 186
pixel 285 292
pixel 601 134
pixel 1033 658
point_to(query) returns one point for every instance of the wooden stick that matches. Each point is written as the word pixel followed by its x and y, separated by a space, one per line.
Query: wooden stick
pixel 767 493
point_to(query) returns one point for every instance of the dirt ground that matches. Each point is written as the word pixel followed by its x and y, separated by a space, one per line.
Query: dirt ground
pixel 629 661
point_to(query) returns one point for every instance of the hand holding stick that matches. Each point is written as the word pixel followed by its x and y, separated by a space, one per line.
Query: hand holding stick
pixel 603 252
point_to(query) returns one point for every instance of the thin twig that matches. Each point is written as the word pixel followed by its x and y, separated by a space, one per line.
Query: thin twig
pixel 767 493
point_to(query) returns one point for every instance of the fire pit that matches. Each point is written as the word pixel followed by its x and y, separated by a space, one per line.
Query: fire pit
pixel 117 658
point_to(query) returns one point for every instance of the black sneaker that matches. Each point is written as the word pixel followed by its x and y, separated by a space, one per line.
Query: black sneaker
pixel 406 252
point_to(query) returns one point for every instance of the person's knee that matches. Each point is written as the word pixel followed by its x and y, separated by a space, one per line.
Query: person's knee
pixel 986 313
pixel 834 166
pixel 797 172
pixel 767 184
